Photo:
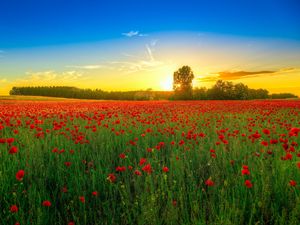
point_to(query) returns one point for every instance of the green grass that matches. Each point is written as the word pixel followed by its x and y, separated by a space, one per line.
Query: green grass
pixel 149 198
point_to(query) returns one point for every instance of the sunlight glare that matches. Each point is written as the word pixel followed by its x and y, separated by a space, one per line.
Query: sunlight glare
pixel 167 84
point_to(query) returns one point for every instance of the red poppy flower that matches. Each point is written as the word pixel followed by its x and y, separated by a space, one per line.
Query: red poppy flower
pixel 293 183
pixel 20 174
pixel 14 209
pixel 209 182
pixel 46 203
pixel 248 184
pixel 174 202
pixel 138 173
pixel 245 167
pixel 142 161
pixel 111 177
pixel 147 168
pixel 121 168
pixel 68 164
pixel 122 156
pixel 82 199
pixel 13 150
pixel 245 172
pixel 95 193
pixel 165 169
pixel 10 140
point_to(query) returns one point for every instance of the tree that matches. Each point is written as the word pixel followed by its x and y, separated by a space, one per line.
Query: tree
pixel 241 91
pixel 222 90
pixel 200 93
pixel 182 83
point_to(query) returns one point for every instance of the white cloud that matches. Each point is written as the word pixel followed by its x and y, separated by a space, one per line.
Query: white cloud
pixel 51 77
pixel 131 33
pixel 149 50
pixel 134 33
pixel 138 64
pixel 88 67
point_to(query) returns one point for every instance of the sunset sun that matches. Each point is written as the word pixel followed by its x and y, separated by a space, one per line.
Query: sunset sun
pixel 167 84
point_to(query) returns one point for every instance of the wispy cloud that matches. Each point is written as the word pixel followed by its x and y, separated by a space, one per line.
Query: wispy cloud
pixel 154 42
pixel 50 77
pixel 149 50
pixel 134 33
pixel 235 75
pixel 87 67
pixel 138 63
pixel 3 80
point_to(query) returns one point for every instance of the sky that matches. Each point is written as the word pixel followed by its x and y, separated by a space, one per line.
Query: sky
pixel 136 45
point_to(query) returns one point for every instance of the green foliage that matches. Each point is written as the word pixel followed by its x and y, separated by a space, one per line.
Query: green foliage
pixel 182 83
pixel 283 96
pixel 222 90
pixel 73 92
pixel 225 90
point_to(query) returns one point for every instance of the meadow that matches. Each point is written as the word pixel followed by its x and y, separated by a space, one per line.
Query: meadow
pixel 156 162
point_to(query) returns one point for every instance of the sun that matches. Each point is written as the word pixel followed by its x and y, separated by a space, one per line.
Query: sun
pixel 167 84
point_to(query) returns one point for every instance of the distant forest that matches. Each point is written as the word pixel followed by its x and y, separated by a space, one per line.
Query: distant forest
pixel 222 90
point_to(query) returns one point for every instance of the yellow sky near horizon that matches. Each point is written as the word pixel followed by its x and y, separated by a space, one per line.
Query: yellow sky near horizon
pixel 149 62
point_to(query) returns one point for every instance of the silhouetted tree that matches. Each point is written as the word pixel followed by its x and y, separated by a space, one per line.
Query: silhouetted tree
pixel 182 83
pixel 241 91
pixel 222 90
pixel 200 93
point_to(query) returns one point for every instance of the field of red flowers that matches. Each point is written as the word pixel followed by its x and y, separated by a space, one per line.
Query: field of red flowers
pixel 198 162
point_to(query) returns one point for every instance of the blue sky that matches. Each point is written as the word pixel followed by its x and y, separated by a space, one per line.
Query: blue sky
pixel 136 44
pixel 52 22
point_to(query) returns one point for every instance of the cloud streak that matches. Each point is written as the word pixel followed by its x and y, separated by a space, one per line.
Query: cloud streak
pixel 50 77
pixel 235 75
pixel 132 63
pixel 145 64
pixel 88 67
pixel 134 33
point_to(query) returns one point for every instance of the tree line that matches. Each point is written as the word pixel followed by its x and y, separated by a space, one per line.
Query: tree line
pixel 222 90
pixel 79 93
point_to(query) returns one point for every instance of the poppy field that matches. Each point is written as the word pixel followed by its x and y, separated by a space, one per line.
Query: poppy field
pixel 159 162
